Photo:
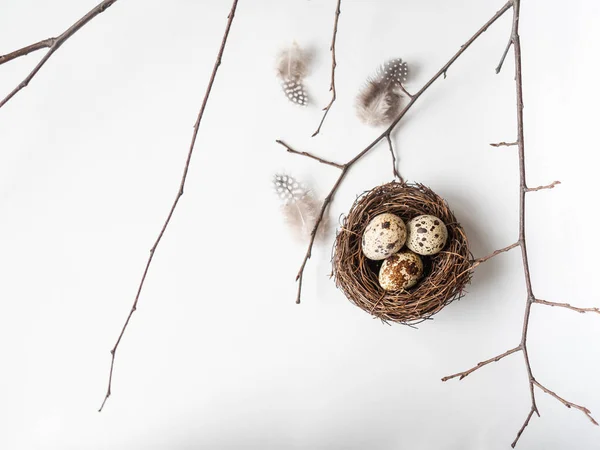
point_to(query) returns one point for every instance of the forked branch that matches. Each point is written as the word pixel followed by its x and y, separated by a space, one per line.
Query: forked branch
pixel 515 43
pixel 177 197
pixel 53 44
pixel 27 50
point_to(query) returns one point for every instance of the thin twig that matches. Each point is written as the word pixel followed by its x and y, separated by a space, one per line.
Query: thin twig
pixel 523 189
pixel 309 155
pixel 27 50
pixel 504 54
pixel 387 132
pixel 333 66
pixel 567 306
pixel 491 255
pixel 520 432
pixel 395 168
pixel 567 403
pixel 313 233
pixel 52 44
pixel 539 188
pixel 504 144
pixel 403 89
pixel 177 197
pixel 461 375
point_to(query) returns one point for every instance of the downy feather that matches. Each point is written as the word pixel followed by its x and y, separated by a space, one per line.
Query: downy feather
pixel 378 103
pixel 298 206
pixel 292 67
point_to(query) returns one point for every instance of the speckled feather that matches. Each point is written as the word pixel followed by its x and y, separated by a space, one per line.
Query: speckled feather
pixel 292 67
pixel 378 103
pixel 298 206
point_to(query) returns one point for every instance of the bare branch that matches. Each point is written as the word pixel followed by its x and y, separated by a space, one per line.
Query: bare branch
pixel 177 197
pixel 504 144
pixel 466 373
pixel 539 188
pixel 53 44
pixel 333 66
pixel 515 42
pixel 309 155
pixel 567 403
pixel 566 305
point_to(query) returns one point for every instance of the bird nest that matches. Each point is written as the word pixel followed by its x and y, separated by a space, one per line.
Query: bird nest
pixel 446 273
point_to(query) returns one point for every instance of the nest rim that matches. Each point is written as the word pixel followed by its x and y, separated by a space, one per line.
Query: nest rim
pixel 447 273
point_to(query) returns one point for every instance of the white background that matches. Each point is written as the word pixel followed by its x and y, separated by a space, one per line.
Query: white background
pixel 218 356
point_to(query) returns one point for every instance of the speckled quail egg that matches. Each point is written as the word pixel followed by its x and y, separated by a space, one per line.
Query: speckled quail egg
pixel 385 235
pixel 400 271
pixel 427 235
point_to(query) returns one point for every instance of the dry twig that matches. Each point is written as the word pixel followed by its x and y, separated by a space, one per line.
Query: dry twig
pixel 53 44
pixel 177 197
pixel 491 255
pixel 333 66
pixel 567 306
pixel 539 188
pixel 515 42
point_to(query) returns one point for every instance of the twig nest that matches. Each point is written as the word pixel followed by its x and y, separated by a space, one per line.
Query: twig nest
pixel 427 235
pixel 382 287
pixel 385 235
pixel 400 271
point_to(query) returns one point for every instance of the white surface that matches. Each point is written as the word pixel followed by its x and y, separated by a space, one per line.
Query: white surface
pixel 90 158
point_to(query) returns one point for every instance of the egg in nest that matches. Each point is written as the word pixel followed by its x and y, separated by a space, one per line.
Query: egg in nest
pixel 400 271
pixel 427 235
pixel 384 235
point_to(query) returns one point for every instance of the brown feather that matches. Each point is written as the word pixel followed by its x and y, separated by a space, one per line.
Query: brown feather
pixel 378 103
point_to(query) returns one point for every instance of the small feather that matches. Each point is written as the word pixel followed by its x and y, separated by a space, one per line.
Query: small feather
pixel 298 206
pixel 378 103
pixel 292 63
pixel 292 67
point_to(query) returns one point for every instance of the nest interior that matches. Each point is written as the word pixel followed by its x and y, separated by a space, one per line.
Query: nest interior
pixel 446 273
